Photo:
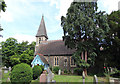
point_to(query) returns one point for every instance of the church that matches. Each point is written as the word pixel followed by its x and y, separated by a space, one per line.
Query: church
pixel 52 52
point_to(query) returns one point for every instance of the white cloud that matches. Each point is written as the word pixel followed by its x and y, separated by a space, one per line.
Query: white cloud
pixel 109 5
pixel 64 5
pixel 20 38
pixel 23 37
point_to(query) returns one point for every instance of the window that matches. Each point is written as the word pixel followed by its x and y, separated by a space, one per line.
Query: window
pixel 56 61
pixel 72 62
pixel 65 62
pixel 39 40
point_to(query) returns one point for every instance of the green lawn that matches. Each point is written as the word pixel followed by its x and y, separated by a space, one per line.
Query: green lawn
pixel 60 78
pixel 72 78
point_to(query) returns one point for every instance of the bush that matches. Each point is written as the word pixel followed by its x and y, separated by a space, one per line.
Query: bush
pixel 65 71
pixel 21 73
pixel 56 69
pixel 36 71
pixel 42 67
pixel 78 71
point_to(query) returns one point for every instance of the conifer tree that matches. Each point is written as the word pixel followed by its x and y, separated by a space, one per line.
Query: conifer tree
pixel 84 28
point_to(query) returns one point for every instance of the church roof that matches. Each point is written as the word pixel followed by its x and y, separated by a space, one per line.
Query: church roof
pixel 54 47
pixel 42 29
pixel 43 59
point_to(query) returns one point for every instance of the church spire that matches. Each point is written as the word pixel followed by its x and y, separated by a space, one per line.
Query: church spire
pixel 42 29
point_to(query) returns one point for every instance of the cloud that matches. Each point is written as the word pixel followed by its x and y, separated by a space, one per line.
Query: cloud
pixel 23 37
pixel 108 5
pixel 64 5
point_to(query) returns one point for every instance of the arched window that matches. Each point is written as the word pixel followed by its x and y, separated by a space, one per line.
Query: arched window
pixel 72 62
pixel 56 61
pixel 65 62
pixel 39 40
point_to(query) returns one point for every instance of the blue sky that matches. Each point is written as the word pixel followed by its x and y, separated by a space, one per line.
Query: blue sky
pixel 22 17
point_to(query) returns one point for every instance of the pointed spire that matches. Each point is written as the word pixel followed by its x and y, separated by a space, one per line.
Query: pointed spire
pixel 42 29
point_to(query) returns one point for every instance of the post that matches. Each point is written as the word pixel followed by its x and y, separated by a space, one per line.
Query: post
pixel 83 76
pixel 95 80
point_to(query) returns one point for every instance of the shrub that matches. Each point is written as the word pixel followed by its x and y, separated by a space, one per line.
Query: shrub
pixel 78 71
pixel 56 69
pixel 36 71
pixel 21 73
pixel 65 71
pixel 42 67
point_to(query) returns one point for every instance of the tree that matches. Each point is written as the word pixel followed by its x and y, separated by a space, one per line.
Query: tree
pixel 14 53
pixel 8 50
pixel 113 40
pixel 84 28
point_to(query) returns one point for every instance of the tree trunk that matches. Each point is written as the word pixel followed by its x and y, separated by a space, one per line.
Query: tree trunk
pixel 85 70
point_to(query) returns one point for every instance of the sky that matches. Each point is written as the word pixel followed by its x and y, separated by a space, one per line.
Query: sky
pixel 22 17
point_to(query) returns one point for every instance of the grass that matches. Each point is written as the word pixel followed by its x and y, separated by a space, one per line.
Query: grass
pixel 60 78
pixel 73 78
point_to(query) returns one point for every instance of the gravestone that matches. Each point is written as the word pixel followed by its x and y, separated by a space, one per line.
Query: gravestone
pixel 50 75
pixel 59 72
pixel 95 80
pixel 83 76
pixel 43 77
pixel 5 69
pixel 9 68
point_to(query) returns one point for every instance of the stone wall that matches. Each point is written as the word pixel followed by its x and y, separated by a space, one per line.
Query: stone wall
pixel 61 60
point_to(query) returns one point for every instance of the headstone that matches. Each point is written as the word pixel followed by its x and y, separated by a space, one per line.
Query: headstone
pixel 9 68
pixel 43 77
pixel 59 72
pixel 5 71
pixel 83 76
pixel 95 80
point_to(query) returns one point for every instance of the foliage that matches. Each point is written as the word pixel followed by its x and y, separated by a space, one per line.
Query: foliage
pixel 56 69
pixel 36 71
pixel 110 71
pixel 78 71
pixel 2 5
pixel 109 56
pixel 21 73
pixel 15 53
pixel 65 71
pixel 113 41
pixel 84 28
pixel 42 67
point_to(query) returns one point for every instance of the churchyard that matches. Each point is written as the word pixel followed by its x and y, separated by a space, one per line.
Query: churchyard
pixel 94 37
pixel 58 78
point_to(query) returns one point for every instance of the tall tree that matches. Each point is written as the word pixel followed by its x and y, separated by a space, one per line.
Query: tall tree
pixel 84 28
pixel 113 40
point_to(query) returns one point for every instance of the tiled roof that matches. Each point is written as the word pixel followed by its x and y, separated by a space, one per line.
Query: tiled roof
pixel 42 29
pixel 54 47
